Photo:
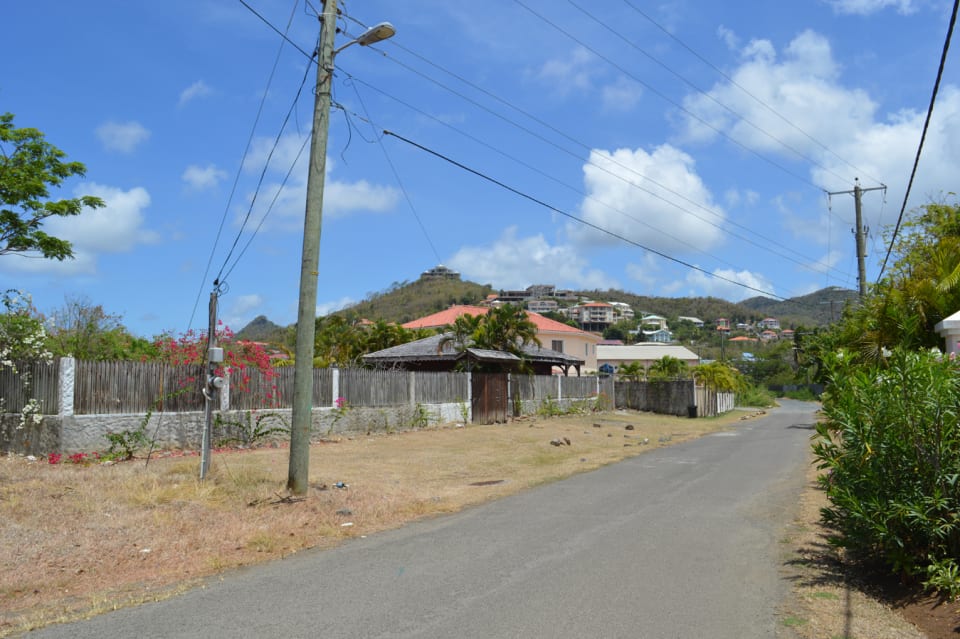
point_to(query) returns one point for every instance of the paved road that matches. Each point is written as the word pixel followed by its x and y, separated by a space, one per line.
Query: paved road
pixel 678 542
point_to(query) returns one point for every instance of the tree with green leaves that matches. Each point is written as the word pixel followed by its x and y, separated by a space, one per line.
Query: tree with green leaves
pixel 29 167
pixel 668 367
pixel 719 377
pixel 631 372
pixel 84 330
pixel 506 328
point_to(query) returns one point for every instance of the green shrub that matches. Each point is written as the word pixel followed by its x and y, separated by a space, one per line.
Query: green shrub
pixel 890 449
pixel 755 396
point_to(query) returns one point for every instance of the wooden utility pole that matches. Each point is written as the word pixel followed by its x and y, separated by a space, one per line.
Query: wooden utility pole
pixel 299 466
pixel 859 232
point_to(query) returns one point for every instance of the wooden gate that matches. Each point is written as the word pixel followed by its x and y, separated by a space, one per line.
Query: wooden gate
pixel 490 400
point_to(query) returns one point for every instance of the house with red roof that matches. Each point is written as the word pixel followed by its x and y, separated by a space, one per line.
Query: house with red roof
pixel 552 334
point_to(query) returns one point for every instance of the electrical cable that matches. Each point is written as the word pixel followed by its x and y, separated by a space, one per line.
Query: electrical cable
pixel 669 100
pixel 575 141
pixel 396 176
pixel 263 172
pixel 278 32
pixel 707 95
pixel 747 92
pixel 810 263
pixel 923 134
pixel 579 143
pixel 236 179
pixel 576 218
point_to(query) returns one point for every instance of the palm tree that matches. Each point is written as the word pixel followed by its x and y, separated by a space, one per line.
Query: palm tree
pixel 506 328
pixel 631 372
pixel 719 377
pixel 461 333
pixel 668 367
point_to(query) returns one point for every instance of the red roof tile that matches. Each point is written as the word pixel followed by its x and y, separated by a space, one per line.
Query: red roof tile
pixel 443 318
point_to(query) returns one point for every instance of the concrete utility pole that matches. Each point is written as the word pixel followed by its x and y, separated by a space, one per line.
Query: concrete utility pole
pixel 299 467
pixel 211 386
pixel 859 232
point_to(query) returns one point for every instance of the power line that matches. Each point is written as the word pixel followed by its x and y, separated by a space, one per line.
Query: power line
pixel 246 150
pixel 263 172
pixel 766 247
pixel 396 176
pixel 669 100
pixel 923 134
pixel 574 217
pixel 707 95
pixel 746 91
pixel 583 145
pixel 282 34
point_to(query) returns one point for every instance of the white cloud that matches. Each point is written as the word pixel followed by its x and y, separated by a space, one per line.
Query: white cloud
pixel 728 37
pixel 332 306
pixel 340 198
pixel 622 95
pixel 866 7
pixel 122 137
pixel 241 309
pixel 628 195
pixel 645 274
pixel 797 100
pixel 515 262
pixel 727 284
pixel 570 73
pixel 198 89
pixel 203 177
pixel 116 228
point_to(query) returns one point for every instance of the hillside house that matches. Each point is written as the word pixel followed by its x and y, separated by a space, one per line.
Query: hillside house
pixel 654 322
pixel 770 323
pixel 553 335
pixel 593 316
pixel 661 336
pixel 696 321
pixel 646 354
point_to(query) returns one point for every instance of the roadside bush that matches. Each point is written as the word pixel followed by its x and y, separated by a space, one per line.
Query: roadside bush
pixel 752 395
pixel 890 449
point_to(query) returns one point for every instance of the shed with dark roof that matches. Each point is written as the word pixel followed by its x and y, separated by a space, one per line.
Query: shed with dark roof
pixel 440 353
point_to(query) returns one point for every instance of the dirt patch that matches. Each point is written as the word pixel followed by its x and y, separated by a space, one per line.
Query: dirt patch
pixel 834 598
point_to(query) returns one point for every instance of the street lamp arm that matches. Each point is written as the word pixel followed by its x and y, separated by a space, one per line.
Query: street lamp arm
pixel 374 34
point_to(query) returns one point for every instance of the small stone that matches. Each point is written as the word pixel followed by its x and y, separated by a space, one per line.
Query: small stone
pixel 629 426
pixel 345 511
pixel 556 442
pixel 609 434
pixel 566 441
pixel 597 425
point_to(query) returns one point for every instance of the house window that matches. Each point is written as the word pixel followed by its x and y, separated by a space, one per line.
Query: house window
pixel 557 345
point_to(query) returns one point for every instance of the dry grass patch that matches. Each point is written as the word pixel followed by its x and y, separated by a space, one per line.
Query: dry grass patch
pixel 78 540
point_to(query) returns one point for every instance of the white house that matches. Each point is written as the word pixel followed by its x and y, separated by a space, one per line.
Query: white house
pixel 646 354
pixel 949 329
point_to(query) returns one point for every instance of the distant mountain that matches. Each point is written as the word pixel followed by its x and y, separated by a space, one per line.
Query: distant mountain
pixel 816 309
pixel 262 330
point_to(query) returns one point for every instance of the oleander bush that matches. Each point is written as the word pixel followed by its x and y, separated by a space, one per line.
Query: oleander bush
pixel 889 449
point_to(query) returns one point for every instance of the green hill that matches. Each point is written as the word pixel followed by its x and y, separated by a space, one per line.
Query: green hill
pixel 405 301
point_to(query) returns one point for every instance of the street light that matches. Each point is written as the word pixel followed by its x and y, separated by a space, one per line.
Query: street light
pixel 301 421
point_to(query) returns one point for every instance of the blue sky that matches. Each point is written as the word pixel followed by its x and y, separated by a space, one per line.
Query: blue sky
pixel 704 131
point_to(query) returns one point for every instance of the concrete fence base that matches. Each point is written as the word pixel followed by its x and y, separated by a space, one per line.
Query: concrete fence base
pixel 86 433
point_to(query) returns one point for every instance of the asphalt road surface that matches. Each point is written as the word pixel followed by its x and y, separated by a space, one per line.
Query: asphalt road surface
pixel 678 542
